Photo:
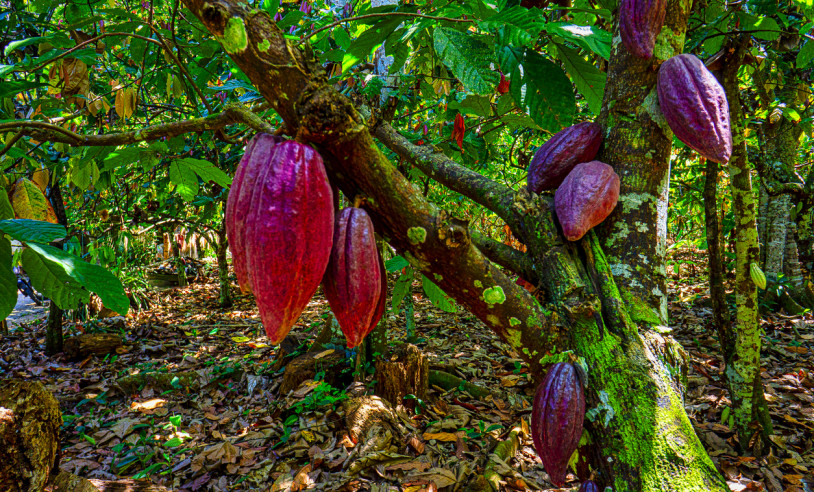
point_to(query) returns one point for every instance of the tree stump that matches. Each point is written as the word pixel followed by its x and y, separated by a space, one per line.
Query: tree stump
pixel 29 433
pixel 68 482
pixel 403 371
pixel 306 366
pixel 79 347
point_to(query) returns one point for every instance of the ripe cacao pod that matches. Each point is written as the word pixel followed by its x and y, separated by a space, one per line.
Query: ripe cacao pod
pixel 556 419
pixel 694 105
pixel 287 228
pixel 585 198
pixel 557 157
pixel 255 158
pixel 355 283
pixel 758 277
pixel 458 130
pixel 588 486
pixel 640 22
pixel 503 85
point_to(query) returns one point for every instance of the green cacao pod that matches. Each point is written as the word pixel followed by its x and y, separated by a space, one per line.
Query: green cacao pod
pixel 694 105
pixel 640 22
pixel 557 157
pixel 585 198
pixel 588 486
pixel 282 224
pixel 557 416
pixel 758 277
pixel 355 283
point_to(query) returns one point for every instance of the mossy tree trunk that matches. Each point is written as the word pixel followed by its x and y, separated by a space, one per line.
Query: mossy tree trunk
pixel 645 438
pixel 741 350
pixel 223 268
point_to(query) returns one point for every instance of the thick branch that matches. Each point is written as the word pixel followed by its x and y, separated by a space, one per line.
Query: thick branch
pixel 54 133
pixel 482 190
pixel 506 256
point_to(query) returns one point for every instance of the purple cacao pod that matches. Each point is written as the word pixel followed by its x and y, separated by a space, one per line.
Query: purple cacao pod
pixel 257 154
pixel 354 283
pixel 585 198
pixel 640 22
pixel 554 160
pixel 694 105
pixel 588 486
pixel 556 419
pixel 287 229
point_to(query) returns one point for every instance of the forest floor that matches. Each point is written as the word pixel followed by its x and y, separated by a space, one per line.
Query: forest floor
pixel 192 402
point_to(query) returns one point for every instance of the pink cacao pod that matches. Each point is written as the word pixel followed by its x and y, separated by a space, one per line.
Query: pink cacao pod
pixel 556 419
pixel 588 486
pixel 694 105
pixel 640 22
pixel 287 230
pixel 355 283
pixel 554 160
pixel 585 198
pixel 257 154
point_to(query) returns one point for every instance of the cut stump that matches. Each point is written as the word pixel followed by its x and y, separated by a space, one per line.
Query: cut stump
pixel 403 371
pixel 306 366
pixel 79 347
pixel 29 433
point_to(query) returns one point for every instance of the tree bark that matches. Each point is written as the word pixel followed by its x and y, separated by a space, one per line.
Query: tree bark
pixel 720 311
pixel 53 329
pixel 742 353
pixel 223 268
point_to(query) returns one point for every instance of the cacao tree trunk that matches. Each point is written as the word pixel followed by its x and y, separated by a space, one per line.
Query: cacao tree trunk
pixel 646 440
pixel 742 350
pixel 223 268
pixel 53 328
pixel 717 292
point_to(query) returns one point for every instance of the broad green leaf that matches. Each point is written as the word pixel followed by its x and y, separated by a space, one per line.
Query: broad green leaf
pixel 477 105
pixel 401 288
pixel 518 17
pixel 6 211
pixel 540 88
pixel 35 231
pixel 589 80
pixel 21 43
pixel 14 87
pixel 396 263
pixel 437 296
pixel 468 58
pixel 84 174
pixel 764 27
pixel 85 275
pixel 341 37
pixel 8 281
pixel 368 41
pixel 185 180
pixel 52 281
pixel 806 54
pixel 207 171
pixel 589 37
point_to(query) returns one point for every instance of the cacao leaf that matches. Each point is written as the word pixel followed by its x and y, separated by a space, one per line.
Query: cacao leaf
pixel 396 263
pixel 589 37
pixel 40 178
pixel 589 80
pixel 6 211
pixel 36 231
pixel 84 174
pixel 401 288
pixel 368 41
pixel 119 104
pixel 28 202
pixel 468 57
pixel 437 296
pixel 8 281
pixel 68 279
pixel 806 55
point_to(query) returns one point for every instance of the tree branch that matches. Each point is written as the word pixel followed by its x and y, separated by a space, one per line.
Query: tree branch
pixel 506 256
pixel 54 133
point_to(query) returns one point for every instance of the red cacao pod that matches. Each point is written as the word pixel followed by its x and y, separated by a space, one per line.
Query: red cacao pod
pixel 288 231
pixel 557 157
pixel 255 157
pixel 585 198
pixel 503 85
pixel 694 105
pixel 588 486
pixel 355 283
pixel 458 130
pixel 556 419
pixel 640 22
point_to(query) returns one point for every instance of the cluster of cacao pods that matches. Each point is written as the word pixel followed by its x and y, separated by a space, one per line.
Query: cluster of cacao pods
pixel 557 416
pixel 285 240
pixel 587 190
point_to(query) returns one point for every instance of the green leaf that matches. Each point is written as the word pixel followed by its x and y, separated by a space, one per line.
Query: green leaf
pixel 6 210
pixel 8 281
pixel 766 27
pixel 368 41
pixel 22 43
pixel 14 87
pixel 437 296
pixel 396 263
pixel 518 17
pixel 67 279
pixel 588 37
pixel 342 38
pixel 589 80
pixel 207 171
pixel 401 288
pixel 477 105
pixel 540 88
pixel 468 58
pixel 36 231
pixel 84 174
pixel 185 180
pixel 806 55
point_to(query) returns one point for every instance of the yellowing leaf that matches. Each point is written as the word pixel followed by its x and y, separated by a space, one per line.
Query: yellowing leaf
pixel 240 339
pixel 441 436
pixel 28 202
pixel 41 178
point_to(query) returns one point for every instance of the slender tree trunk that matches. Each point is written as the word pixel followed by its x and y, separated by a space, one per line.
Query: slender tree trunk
pixel 743 356
pixel 720 311
pixel 223 268
pixel 53 328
